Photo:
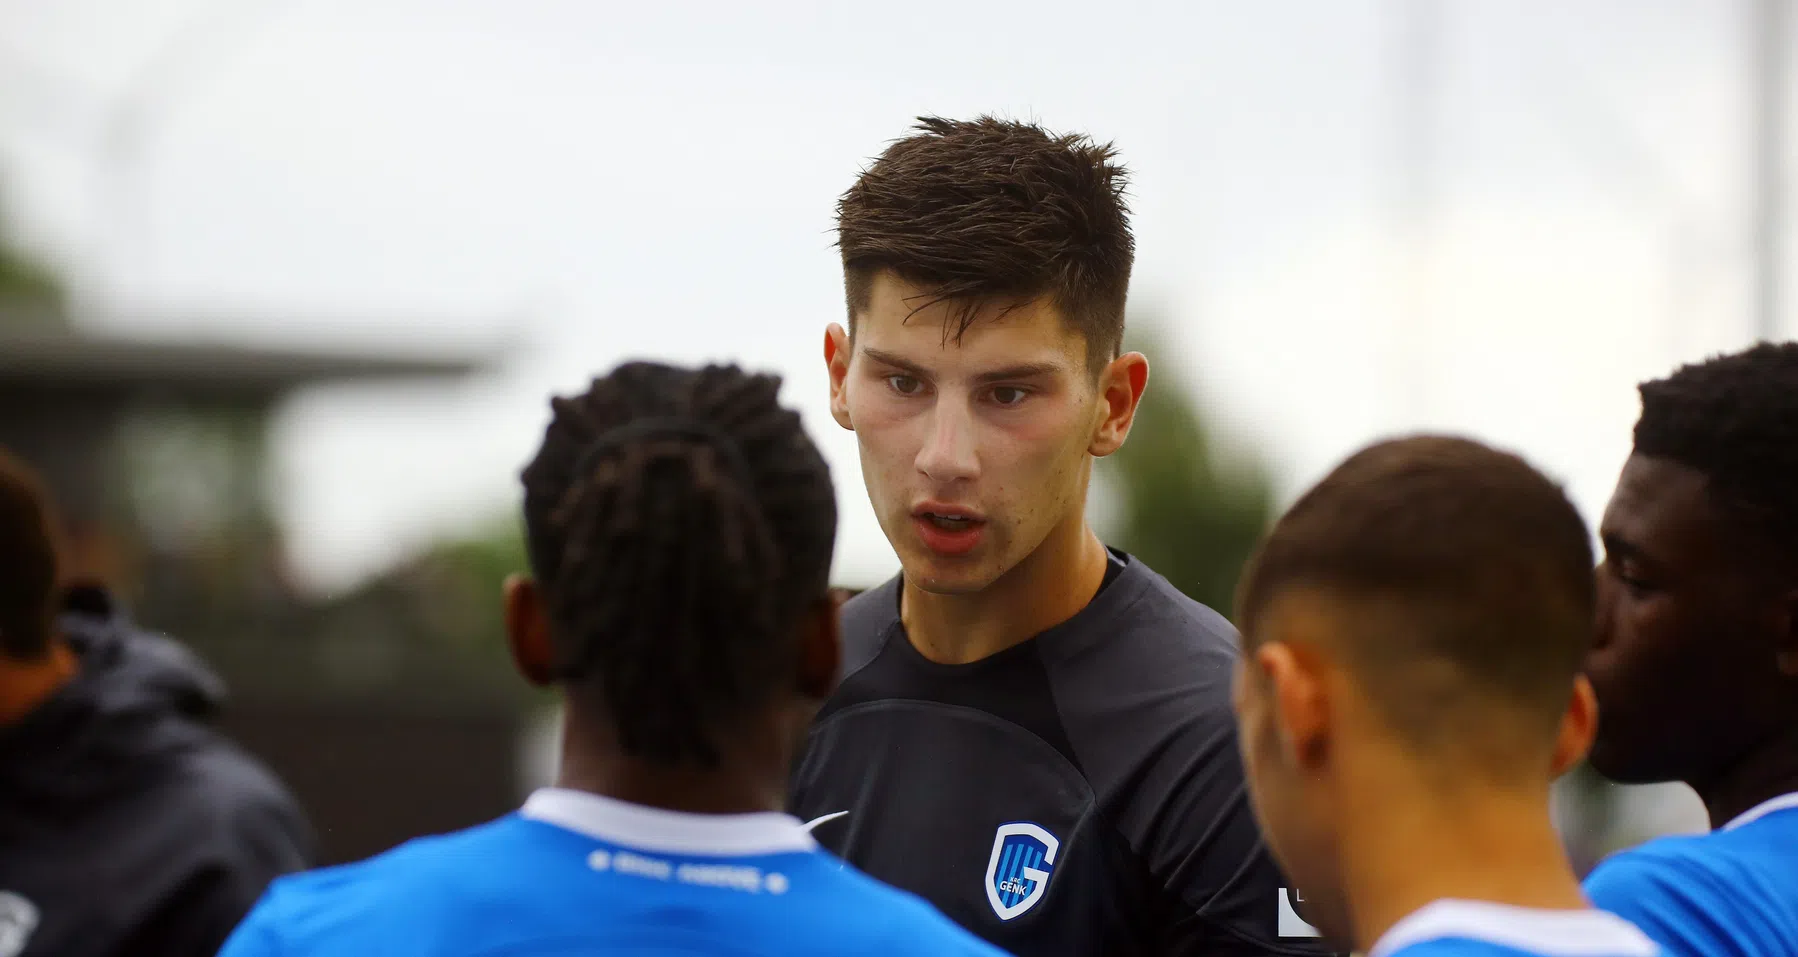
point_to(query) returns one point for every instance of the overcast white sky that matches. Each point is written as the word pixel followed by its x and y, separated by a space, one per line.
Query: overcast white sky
pixel 589 182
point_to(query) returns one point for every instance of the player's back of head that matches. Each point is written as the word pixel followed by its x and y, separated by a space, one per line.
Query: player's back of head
pixel 680 523
pixel 28 553
pixel 988 209
pixel 1453 582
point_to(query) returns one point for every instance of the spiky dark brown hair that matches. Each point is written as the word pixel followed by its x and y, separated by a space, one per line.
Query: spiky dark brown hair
pixel 986 210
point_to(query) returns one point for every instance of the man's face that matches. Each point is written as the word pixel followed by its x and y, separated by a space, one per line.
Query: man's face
pixel 1684 660
pixel 975 449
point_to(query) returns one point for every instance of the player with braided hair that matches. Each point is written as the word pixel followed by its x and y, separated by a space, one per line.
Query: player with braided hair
pixel 676 550
pixel 1696 659
pixel 680 525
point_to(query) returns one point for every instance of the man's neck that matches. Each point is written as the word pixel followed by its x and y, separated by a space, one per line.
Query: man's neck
pixel 1400 855
pixel 1048 587
pixel 1767 771
pixel 745 780
pixel 24 685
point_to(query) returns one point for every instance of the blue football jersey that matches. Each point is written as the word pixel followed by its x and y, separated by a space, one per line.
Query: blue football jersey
pixel 575 873
pixel 1465 928
pixel 1731 892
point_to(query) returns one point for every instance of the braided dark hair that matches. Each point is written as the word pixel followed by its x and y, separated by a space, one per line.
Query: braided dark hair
pixel 1734 418
pixel 680 522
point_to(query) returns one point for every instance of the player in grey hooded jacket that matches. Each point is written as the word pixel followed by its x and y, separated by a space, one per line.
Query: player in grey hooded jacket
pixel 128 825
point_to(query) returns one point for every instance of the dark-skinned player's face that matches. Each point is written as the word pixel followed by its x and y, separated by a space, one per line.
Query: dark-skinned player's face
pixel 1685 658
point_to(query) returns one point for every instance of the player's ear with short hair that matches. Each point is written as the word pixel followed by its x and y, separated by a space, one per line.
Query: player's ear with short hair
pixel 1578 726
pixel 1121 385
pixel 1299 700
pixel 837 351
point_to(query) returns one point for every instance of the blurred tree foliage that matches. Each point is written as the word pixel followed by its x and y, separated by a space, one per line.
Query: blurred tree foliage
pixel 447 596
pixel 465 576
pixel 1184 514
pixel 24 281
pixel 429 627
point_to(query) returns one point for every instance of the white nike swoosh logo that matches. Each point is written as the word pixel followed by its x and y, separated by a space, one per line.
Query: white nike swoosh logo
pixel 814 822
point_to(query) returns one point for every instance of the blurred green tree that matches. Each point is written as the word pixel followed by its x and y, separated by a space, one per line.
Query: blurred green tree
pixel 1188 516
pixel 27 282
pixel 466 576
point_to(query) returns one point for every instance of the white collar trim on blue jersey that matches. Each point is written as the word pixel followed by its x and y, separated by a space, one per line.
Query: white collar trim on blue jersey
pixel 670 832
pixel 1783 802
pixel 1556 933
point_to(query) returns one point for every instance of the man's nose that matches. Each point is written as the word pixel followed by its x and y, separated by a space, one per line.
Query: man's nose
pixel 949 453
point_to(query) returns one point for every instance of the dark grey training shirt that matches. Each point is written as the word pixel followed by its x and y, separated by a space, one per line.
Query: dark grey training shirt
pixel 1080 793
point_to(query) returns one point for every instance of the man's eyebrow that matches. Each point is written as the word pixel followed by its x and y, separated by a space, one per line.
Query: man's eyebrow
pixel 1027 370
pixel 897 362
pixel 1023 370
pixel 1615 546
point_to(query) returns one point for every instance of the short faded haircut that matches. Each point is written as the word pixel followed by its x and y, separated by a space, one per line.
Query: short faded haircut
pixel 1464 575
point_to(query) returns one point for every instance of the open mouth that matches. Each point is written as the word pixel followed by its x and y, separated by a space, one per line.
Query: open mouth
pixel 950 521
pixel 948 530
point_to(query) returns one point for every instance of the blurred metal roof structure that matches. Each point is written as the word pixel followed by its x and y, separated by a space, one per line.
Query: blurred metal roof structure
pixel 66 388
pixel 55 356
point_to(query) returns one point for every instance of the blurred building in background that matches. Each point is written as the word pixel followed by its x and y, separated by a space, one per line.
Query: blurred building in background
pixel 390 710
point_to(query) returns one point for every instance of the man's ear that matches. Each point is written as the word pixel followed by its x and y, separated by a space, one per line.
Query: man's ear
pixel 1121 386
pixel 527 631
pixel 1787 624
pixel 821 646
pixel 837 349
pixel 1578 725
pixel 1301 709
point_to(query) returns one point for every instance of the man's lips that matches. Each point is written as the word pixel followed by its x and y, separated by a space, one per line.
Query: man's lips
pixel 948 529
pixel 944 512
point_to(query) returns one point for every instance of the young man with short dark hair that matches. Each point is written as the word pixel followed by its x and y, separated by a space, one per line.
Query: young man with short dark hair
pixel 1696 663
pixel 1413 630
pixel 1033 731
pixel 128 824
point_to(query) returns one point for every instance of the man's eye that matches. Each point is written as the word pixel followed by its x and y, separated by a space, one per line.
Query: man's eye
pixel 1009 395
pixel 1629 577
pixel 905 384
